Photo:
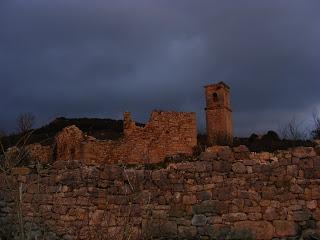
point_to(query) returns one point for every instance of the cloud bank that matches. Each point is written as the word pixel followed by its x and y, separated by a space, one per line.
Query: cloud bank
pixel 99 58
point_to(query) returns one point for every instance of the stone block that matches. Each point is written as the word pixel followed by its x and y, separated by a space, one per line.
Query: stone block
pixel 215 219
pixel 311 233
pixel 306 164
pixel 251 195
pixel 255 209
pixel 187 232
pixel 285 228
pixel 262 230
pixel 316 215
pixel 210 206
pixel 249 162
pixel 254 216
pixel 208 156
pixel 239 168
pixel 312 204
pixel 234 217
pixel 67 218
pixel 271 214
pixel 217 179
pixel 177 211
pixel 292 170
pixel 299 216
pixel 226 193
pixel 96 217
pixel 296 189
pixel 303 152
pixel 315 192
pixel 189 199
pixel 204 195
pixel 268 192
pixel 241 152
pixel 199 220
pixel 79 213
pixel 168 228
pixel 223 152
pixel 221 166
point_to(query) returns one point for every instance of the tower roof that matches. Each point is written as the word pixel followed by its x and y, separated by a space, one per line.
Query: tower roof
pixel 221 83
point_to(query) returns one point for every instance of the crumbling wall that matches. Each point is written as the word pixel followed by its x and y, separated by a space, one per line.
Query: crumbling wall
pixel 272 195
pixel 165 134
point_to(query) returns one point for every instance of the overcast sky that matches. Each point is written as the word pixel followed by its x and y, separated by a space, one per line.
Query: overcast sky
pixel 98 58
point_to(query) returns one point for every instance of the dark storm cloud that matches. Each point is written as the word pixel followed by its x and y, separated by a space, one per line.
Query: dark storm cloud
pixel 100 58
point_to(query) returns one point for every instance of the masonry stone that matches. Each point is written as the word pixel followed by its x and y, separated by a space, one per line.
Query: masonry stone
pixel 285 228
pixel 199 220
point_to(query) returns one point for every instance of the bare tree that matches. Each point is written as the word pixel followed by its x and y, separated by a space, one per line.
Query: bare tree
pixel 292 130
pixel 25 122
pixel 315 133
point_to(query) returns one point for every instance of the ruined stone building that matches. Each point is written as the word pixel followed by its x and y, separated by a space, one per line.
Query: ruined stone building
pixel 218 114
pixel 91 189
pixel 165 134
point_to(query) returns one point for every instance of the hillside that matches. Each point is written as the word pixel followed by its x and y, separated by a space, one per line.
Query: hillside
pixel 99 128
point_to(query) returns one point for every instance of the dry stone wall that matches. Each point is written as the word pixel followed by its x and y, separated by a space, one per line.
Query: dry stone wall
pixel 270 195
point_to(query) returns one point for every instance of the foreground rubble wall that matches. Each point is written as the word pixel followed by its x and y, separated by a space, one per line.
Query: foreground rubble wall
pixel 271 195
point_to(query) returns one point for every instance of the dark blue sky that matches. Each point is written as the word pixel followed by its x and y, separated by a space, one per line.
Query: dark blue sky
pixel 99 58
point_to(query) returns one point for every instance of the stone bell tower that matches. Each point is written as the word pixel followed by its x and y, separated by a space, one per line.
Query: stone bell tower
pixel 218 114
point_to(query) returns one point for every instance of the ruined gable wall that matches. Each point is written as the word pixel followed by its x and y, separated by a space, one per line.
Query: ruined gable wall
pixel 165 134
pixel 270 194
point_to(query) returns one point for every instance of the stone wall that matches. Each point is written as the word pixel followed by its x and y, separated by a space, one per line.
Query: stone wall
pixel 271 195
pixel 165 134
